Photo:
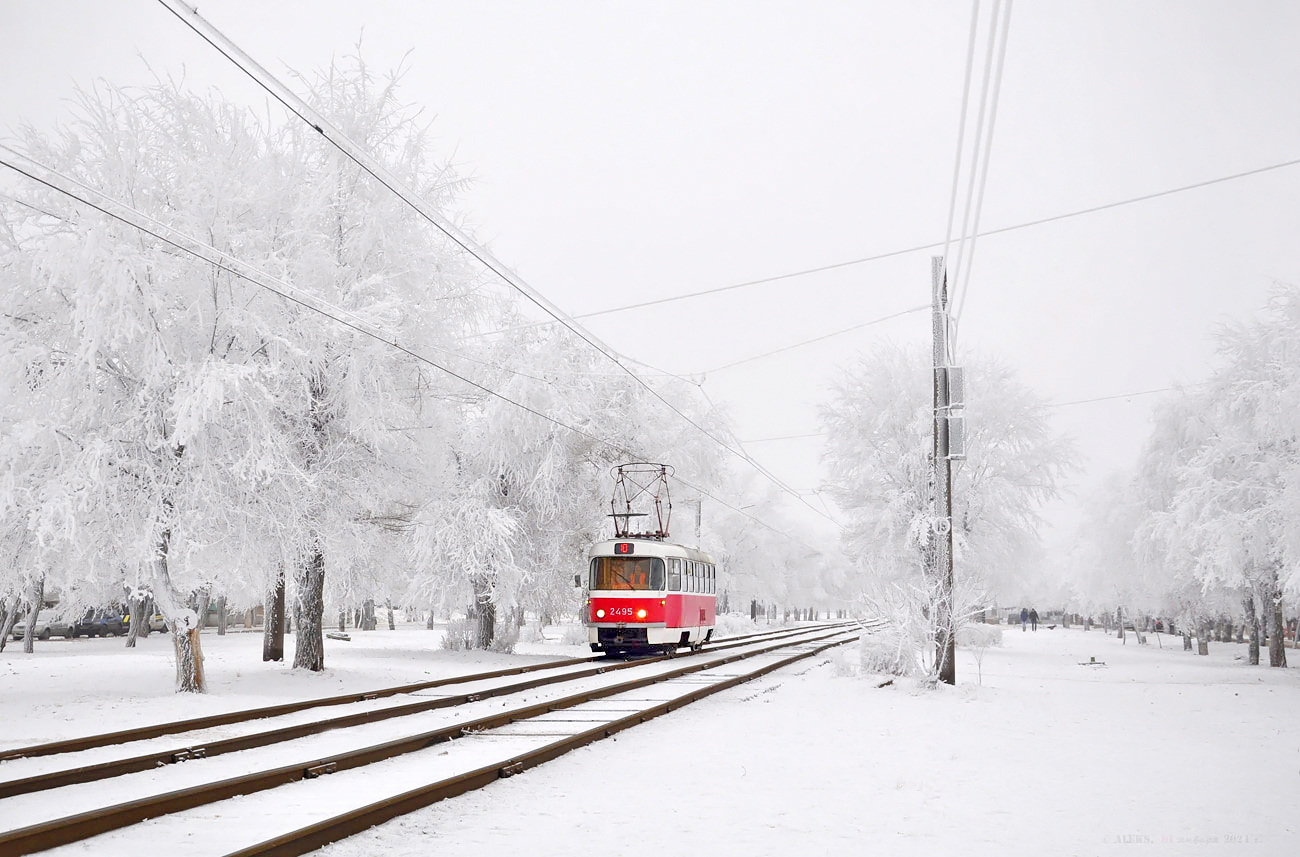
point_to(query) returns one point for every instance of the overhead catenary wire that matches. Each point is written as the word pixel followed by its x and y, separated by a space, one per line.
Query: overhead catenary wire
pixel 191 246
pixel 983 173
pixel 917 248
pixel 961 123
pixel 977 146
pixel 297 106
pixel 1132 395
pixel 815 339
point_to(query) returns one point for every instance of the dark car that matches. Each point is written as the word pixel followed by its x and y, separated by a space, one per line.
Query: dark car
pixel 99 625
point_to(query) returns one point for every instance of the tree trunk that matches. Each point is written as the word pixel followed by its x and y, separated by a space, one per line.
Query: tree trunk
pixel 309 651
pixel 343 619
pixel 1203 639
pixel 368 622
pixel 1187 640
pixel 429 622
pixel 221 616
pixel 33 610
pixel 139 620
pixel 7 624
pixel 483 614
pixel 392 625
pixel 183 621
pixel 1252 620
pixel 199 601
pixel 273 620
pixel 1276 639
pixel 189 660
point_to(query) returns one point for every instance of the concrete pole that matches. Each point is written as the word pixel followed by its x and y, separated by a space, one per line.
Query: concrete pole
pixel 945 642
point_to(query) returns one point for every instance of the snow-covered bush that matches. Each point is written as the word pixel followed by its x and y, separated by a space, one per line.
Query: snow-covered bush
pixel 979 636
pixel 504 639
pixel 575 635
pixel 891 651
pixel 459 636
pixel 734 624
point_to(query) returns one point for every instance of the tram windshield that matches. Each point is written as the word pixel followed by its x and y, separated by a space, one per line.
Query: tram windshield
pixel 629 573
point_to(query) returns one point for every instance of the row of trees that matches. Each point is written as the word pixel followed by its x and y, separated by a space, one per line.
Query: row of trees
pixel 168 428
pixel 1205 530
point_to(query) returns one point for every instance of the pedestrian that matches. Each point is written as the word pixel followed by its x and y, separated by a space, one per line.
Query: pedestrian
pixel 1024 617
pixel 1033 618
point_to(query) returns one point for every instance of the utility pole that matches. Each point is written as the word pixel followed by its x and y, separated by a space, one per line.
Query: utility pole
pixel 945 642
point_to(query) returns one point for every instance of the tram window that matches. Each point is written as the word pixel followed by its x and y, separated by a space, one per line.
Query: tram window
pixel 674 575
pixel 709 578
pixel 713 579
pixel 690 575
pixel 627 573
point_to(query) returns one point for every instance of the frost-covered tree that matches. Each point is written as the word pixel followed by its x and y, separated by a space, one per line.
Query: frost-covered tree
pixel 1220 475
pixel 879 425
pixel 165 418
pixel 530 494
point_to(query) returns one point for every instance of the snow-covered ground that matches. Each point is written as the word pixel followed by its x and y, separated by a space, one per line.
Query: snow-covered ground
pixel 1157 752
pixel 77 687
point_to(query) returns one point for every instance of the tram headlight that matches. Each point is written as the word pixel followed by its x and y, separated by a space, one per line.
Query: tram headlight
pixel 640 614
pixel 600 614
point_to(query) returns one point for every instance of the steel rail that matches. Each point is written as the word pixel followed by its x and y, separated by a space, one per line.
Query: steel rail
pixel 320 834
pixel 157 730
pixel 74 828
pixel 202 750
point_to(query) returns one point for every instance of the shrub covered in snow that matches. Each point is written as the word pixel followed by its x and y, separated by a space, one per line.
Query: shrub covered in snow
pixel 890 650
pixel 732 624
pixel 575 635
pixel 979 636
pixel 460 635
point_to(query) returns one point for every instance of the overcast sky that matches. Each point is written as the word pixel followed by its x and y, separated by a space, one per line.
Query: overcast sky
pixel 628 151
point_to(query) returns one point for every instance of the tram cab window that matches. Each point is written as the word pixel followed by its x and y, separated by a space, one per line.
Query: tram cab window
pixel 627 573
pixel 674 575
pixel 713 579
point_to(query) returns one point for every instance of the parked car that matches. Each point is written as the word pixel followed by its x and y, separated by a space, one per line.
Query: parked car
pixel 45 628
pixel 99 625
pixel 157 622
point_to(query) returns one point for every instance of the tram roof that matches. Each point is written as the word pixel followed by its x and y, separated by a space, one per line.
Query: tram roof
pixel 649 547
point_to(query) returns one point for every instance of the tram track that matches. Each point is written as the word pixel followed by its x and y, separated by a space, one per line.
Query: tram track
pixel 655 670
pixel 191 750
pixel 155 730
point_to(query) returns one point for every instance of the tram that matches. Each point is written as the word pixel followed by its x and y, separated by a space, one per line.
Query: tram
pixel 646 593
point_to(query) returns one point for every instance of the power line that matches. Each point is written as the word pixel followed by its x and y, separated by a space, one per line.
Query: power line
pixel 961 123
pixel 187 244
pixel 1131 395
pixel 335 137
pixel 979 139
pixel 1108 398
pixel 787 437
pixel 824 336
pixel 964 273
pixel 934 245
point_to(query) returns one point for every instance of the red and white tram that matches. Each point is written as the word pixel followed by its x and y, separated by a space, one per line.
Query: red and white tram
pixel 644 592
pixel 649 595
